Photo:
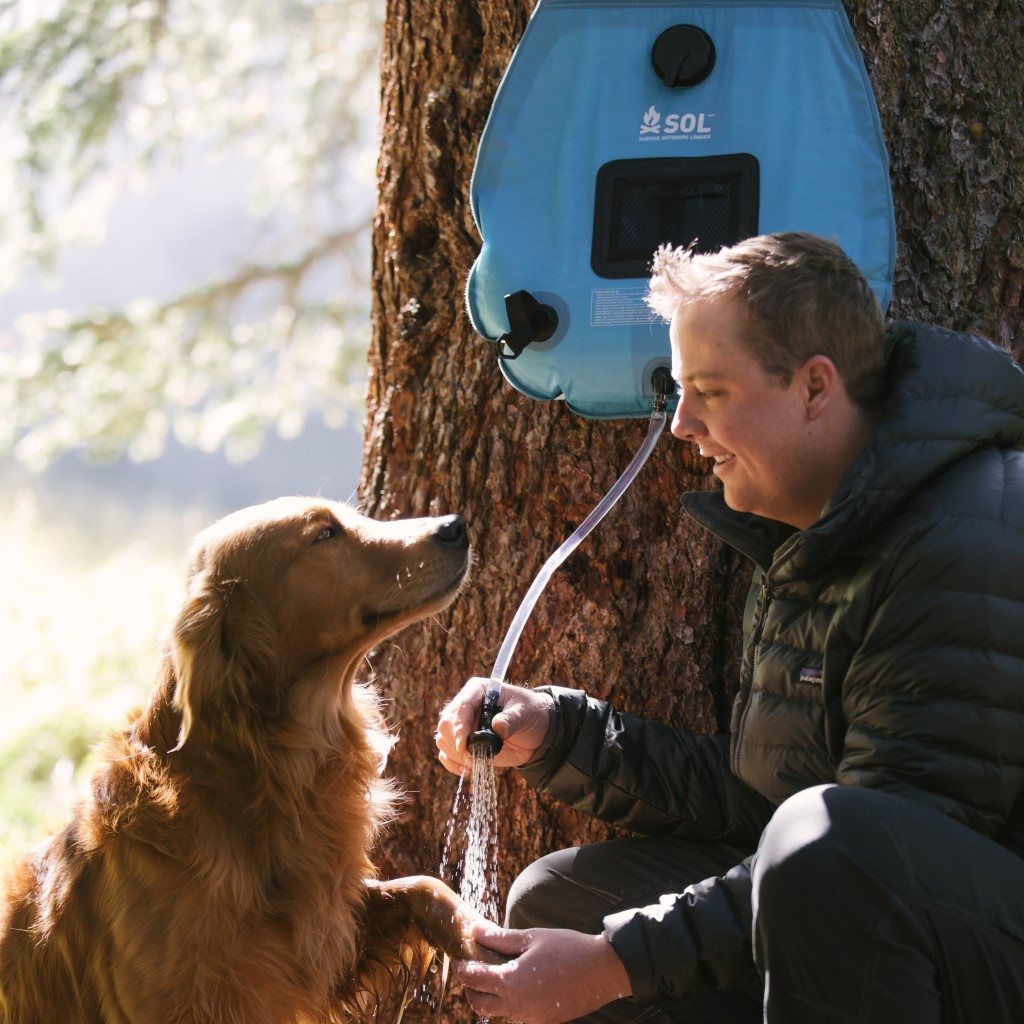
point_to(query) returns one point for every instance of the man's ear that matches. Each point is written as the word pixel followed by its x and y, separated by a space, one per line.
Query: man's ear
pixel 200 652
pixel 819 380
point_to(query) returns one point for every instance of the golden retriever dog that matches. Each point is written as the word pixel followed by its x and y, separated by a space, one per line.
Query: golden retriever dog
pixel 219 871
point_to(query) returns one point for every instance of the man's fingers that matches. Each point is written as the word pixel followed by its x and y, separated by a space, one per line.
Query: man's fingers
pixel 451 725
pixel 508 941
pixel 451 764
pixel 459 717
pixel 484 1003
pixel 473 693
pixel 477 975
pixel 509 722
pixel 445 729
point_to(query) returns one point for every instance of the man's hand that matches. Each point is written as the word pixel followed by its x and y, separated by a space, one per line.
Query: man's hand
pixel 522 724
pixel 557 975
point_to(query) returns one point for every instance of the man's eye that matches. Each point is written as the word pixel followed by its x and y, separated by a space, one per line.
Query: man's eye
pixel 326 534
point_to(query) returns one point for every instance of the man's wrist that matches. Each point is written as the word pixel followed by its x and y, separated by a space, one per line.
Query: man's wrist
pixel 615 979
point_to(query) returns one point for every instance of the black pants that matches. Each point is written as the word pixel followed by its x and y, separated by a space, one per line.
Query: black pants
pixel 868 909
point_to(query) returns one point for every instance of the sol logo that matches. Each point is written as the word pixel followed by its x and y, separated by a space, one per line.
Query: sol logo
pixel 679 126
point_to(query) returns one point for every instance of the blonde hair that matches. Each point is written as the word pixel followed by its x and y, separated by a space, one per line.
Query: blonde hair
pixel 802 294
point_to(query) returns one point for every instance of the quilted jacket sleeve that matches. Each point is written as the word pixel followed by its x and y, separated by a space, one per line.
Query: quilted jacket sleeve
pixel 644 776
pixel 933 699
pixel 688 943
pixel 655 779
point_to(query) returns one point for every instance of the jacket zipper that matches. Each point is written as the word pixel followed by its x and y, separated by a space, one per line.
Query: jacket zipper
pixel 758 630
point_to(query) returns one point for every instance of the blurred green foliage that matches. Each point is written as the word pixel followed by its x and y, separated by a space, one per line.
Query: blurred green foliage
pixel 81 617
pixel 98 95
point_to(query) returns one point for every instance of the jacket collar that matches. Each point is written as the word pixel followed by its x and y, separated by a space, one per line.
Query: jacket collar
pixel 751 535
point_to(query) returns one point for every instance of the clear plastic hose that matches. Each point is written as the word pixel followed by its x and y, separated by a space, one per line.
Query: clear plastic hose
pixel 508 646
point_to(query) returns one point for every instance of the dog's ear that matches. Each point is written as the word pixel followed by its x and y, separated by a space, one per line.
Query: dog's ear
pixel 200 651
pixel 227 652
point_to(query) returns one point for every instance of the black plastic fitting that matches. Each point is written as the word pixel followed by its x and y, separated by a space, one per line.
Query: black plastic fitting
pixel 662 382
pixel 529 321
pixel 485 738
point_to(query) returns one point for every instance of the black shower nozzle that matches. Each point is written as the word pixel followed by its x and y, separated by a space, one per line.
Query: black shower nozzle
pixel 485 738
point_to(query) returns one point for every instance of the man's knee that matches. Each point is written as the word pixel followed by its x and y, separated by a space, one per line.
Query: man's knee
pixel 794 858
pixel 541 897
pixel 818 845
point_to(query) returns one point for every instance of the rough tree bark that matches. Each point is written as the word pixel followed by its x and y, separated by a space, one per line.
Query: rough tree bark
pixel 646 613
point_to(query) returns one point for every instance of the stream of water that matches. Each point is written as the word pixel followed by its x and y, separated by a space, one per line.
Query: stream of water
pixel 469 858
pixel 479 883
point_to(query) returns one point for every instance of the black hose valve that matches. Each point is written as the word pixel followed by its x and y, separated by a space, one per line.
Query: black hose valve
pixel 663 384
pixel 529 321
pixel 485 738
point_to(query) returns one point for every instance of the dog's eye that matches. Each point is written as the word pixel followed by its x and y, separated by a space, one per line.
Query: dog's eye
pixel 327 533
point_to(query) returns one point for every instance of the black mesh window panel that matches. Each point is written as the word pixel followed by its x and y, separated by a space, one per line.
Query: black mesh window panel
pixel 641 204
pixel 647 213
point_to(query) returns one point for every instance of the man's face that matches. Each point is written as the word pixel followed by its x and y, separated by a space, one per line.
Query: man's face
pixel 755 428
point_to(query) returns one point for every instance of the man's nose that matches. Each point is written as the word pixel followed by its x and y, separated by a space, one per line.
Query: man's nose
pixel 685 425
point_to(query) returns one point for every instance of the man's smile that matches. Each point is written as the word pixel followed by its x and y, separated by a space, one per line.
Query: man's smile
pixel 720 458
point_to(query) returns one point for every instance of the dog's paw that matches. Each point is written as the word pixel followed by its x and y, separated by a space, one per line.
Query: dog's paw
pixel 441 916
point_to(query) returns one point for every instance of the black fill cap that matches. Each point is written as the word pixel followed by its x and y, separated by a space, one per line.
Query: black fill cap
pixel 683 55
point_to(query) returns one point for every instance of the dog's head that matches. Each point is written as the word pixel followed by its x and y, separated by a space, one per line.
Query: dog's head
pixel 300 589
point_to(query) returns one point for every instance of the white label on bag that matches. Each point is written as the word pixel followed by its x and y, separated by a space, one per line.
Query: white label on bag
pixel 612 307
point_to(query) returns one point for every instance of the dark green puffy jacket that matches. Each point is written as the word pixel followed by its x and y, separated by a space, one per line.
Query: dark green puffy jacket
pixel 884 648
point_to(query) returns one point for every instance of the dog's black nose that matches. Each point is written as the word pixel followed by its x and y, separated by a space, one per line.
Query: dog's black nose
pixel 453 531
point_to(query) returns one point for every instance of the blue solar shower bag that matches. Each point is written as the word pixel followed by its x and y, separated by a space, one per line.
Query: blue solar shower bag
pixel 623 124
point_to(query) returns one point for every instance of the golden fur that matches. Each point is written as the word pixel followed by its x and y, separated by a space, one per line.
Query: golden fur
pixel 217 872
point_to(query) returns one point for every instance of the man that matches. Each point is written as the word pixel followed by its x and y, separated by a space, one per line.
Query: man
pixel 876 756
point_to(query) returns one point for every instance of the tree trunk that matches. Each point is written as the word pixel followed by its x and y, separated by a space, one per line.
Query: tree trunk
pixel 647 612
pixel 949 79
